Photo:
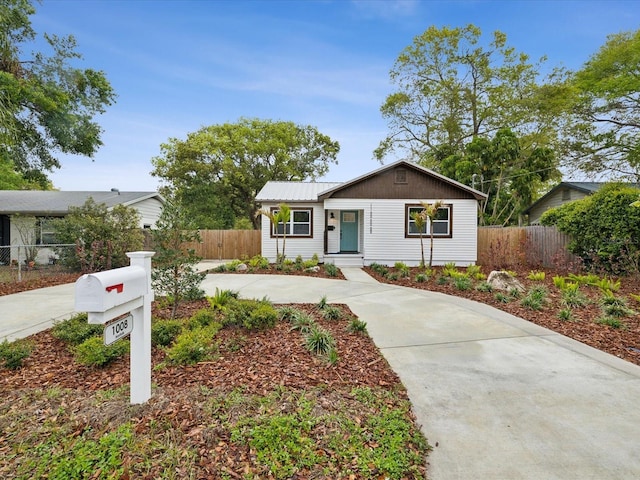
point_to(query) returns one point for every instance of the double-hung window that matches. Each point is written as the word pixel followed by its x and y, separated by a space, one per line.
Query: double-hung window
pixel 441 226
pixel 299 225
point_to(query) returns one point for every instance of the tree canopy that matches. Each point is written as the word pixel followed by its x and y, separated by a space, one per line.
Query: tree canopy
pixel 602 102
pixel 509 174
pixel 47 105
pixel 451 89
pixel 217 171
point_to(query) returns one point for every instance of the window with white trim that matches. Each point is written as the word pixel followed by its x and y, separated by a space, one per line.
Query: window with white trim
pixel 46 231
pixel 299 225
pixel 441 225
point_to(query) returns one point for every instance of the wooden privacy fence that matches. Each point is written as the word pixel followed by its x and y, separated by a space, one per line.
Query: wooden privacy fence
pixel 227 244
pixel 534 246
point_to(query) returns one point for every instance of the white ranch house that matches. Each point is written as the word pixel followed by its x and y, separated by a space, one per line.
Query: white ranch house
pixel 25 215
pixel 367 220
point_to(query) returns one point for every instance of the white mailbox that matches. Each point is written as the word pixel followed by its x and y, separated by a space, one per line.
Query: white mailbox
pixel 111 294
pixel 101 292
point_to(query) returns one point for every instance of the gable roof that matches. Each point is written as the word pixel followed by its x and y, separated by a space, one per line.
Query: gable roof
pixel 55 203
pixel 475 193
pixel 315 191
pixel 584 187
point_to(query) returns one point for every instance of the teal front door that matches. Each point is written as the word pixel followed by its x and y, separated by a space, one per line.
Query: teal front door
pixel 348 231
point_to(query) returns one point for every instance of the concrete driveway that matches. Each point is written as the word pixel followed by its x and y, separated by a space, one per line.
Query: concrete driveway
pixel 496 396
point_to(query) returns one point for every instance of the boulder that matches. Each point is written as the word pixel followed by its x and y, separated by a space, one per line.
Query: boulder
pixel 241 267
pixel 315 269
pixel 501 280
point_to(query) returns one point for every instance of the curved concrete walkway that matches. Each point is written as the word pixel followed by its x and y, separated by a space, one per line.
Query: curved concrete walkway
pixel 502 398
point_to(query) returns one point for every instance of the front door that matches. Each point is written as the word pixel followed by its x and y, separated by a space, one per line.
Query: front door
pixel 349 231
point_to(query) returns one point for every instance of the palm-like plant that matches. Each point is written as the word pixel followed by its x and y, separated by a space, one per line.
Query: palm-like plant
pixel 420 219
pixel 431 212
pixel 284 215
pixel 274 218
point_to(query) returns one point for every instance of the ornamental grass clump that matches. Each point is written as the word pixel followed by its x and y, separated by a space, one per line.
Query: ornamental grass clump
pixel 535 298
pixel 319 341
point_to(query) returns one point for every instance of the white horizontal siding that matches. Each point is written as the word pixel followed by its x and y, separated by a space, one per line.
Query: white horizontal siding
pixel 383 233
pixel 149 211
pixel 305 247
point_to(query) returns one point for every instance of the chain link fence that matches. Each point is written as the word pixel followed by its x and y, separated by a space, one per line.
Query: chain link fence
pixel 19 261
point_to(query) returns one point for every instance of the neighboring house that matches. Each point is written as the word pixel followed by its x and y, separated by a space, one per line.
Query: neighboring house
pixel 367 219
pixel 25 215
pixel 562 193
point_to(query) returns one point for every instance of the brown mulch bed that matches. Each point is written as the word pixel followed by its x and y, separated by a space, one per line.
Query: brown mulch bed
pixel 255 361
pixel 622 342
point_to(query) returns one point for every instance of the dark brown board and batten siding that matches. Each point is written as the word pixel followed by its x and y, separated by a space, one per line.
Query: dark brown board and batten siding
pixel 387 184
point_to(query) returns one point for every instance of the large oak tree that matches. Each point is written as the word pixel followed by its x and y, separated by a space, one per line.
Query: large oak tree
pixel 217 171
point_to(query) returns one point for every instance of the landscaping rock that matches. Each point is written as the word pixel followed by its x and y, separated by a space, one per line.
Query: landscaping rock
pixel 242 267
pixel 315 269
pixel 501 280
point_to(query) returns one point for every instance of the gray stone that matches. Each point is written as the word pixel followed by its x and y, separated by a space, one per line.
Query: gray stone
pixel 315 269
pixel 501 280
pixel 242 267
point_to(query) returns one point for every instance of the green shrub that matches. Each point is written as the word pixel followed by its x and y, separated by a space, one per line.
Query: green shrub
pixel 572 297
pixel 462 283
pixel 515 293
pixel 322 304
pixel 202 318
pixel 565 314
pixel 393 276
pixel 613 306
pixel 485 287
pixel 613 322
pixel 76 329
pixel 379 269
pixel 473 271
pixel 221 298
pixel 302 322
pixel 13 354
pixel 357 326
pixel 536 275
pixel 332 312
pixel 442 280
pixel 535 298
pixel 332 356
pixel 251 314
pixel 163 332
pixel 403 269
pixel 94 352
pixel 259 262
pixel 331 269
pixel 602 227
pixel 287 313
pixel 319 341
pixel 193 346
pixel 261 318
pixel 421 278
pixel 501 297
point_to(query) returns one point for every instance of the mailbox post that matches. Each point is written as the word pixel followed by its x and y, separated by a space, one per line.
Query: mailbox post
pixel 108 295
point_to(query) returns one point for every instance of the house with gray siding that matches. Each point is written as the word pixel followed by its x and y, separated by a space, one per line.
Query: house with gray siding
pixel 368 219
pixel 26 215
pixel 562 193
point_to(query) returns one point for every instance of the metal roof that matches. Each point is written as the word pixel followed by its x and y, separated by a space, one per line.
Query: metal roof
pixel 293 191
pixel 36 202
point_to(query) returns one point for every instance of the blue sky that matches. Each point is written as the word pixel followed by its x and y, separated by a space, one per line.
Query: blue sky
pixel 177 66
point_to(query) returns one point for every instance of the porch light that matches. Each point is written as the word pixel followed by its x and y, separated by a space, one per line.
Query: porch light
pixel 332 220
